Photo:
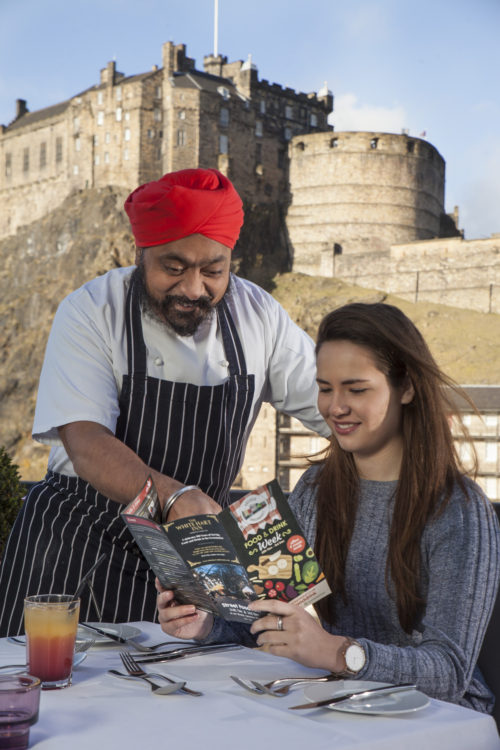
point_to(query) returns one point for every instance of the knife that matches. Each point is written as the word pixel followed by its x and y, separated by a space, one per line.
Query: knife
pixel 386 689
pixel 179 653
pixel 106 633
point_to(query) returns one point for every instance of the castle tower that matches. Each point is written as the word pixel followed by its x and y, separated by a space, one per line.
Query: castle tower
pixel 360 192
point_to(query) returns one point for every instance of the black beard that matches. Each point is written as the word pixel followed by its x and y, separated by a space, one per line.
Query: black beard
pixel 182 323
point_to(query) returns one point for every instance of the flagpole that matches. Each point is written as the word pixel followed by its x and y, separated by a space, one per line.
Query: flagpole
pixel 216 28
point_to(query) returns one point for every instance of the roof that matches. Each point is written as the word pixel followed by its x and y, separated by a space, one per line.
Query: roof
pixel 29 118
pixel 196 79
pixel 485 397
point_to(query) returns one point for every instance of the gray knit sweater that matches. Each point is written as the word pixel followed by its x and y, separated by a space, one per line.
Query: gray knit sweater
pixel 460 574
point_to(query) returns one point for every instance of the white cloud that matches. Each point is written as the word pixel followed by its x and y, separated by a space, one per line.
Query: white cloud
pixel 351 115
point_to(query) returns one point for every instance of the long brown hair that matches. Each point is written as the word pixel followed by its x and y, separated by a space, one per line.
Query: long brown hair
pixel 430 464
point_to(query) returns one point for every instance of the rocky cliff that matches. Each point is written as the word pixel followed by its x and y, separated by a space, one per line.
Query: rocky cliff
pixel 89 234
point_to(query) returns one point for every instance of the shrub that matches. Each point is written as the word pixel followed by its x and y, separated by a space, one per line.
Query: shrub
pixel 11 493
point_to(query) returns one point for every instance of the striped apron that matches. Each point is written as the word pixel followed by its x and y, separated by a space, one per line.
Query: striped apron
pixel 192 433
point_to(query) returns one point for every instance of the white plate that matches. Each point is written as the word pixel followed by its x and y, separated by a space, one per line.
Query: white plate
pixel 121 629
pixel 387 704
pixel 77 660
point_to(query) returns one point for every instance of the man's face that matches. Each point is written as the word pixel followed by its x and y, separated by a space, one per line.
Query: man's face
pixel 183 280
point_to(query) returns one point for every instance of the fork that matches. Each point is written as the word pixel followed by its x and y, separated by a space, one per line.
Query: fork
pixel 135 670
pixel 285 683
pixel 84 645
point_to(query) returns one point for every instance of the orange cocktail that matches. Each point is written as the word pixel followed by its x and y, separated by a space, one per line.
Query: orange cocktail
pixel 51 621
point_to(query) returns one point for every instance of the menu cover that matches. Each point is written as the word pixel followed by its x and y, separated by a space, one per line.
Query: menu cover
pixel 253 549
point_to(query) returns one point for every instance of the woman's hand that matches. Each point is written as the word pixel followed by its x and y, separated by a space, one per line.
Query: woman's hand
pixel 300 638
pixel 181 620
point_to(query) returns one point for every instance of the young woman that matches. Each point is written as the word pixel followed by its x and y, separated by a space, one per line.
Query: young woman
pixel 409 544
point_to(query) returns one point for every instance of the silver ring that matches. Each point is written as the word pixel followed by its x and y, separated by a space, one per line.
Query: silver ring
pixel 279 625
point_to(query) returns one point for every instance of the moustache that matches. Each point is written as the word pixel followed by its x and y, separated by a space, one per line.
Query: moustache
pixel 203 304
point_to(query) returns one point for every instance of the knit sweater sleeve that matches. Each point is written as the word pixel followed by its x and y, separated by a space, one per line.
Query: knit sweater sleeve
pixel 462 567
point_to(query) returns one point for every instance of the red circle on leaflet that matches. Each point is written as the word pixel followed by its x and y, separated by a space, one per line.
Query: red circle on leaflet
pixel 296 544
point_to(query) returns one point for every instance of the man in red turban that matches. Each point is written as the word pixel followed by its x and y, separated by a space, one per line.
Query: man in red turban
pixel 191 220
pixel 154 370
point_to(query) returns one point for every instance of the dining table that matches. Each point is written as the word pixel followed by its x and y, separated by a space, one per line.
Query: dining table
pixel 102 712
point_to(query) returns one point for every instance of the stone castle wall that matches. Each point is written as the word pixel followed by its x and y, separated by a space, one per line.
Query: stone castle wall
pixel 360 193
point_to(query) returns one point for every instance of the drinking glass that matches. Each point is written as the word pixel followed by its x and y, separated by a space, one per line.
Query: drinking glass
pixel 19 701
pixel 50 622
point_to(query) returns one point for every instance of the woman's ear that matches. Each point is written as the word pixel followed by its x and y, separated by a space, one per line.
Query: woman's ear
pixel 407 392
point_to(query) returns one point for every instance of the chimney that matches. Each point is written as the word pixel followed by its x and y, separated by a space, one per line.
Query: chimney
pixel 21 108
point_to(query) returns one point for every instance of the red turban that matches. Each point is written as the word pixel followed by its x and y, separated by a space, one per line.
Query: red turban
pixel 192 201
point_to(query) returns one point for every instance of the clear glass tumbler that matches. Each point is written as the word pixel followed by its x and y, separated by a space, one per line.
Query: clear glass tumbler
pixel 19 701
pixel 50 622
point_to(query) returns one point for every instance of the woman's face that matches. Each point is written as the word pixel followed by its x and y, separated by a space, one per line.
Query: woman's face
pixel 361 407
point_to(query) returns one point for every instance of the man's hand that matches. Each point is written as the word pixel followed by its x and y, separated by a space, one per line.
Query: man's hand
pixel 192 503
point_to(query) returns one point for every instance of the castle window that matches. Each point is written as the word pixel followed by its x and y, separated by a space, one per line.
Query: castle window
pixel 118 93
pixel 76 123
pixel 107 137
pixel 127 116
pixel 224 117
pixel 301 145
pixel 334 143
pixel 125 154
pixel 374 143
pixel 289 112
pixel 77 144
pixel 96 140
pixel 106 157
pixel 26 160
pixel 287 133
pixel 158 92
pixel 410 147
pixel 43 155
pixel 223 144
pixel 258 128
pixel 126 135
pixel 157 115
pixel 118 114
pixel 97 160
pixel 181 137
pixel 337 249
pixel 314 120
pixel 262 107
pixel 8 164
pixel 59 149
pixel 75 169
pixel 100 118
pixel 151 133
pixel 99 97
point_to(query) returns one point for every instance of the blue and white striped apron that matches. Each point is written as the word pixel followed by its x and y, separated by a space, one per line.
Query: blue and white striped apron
pixel 192 433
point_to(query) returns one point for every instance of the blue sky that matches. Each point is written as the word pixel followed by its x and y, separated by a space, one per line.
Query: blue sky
pixel 431 66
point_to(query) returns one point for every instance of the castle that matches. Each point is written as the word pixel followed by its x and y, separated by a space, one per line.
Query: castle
pixel 127 130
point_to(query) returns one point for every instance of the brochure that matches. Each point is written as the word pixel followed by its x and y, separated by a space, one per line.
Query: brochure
pixel 252 549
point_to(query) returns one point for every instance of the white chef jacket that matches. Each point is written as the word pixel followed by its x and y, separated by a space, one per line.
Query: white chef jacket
pixel 86 358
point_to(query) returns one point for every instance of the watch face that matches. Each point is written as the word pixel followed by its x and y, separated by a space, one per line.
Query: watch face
pixel 354 658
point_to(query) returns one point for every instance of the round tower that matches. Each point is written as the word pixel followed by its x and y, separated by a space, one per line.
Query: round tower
pixel 360 192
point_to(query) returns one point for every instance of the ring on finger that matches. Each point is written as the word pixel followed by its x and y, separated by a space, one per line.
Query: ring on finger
pixel 279 623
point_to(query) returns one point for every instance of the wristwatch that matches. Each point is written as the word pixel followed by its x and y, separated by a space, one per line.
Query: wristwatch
pixel 354 657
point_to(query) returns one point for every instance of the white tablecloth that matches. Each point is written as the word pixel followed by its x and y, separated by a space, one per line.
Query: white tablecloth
pixel 101 712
